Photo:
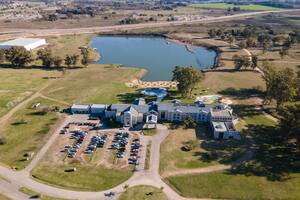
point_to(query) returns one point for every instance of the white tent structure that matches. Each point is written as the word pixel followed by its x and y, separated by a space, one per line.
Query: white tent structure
pixel 27 43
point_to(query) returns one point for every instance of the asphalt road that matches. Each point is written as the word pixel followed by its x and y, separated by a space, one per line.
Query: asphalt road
pixel 49 32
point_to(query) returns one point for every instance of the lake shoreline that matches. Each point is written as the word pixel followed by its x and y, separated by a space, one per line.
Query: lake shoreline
pixel 189 47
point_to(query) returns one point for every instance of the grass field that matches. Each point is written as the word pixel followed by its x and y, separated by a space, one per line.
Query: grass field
pixel 143 192
pixel 94 84
pixel 226 186
pixel 251 7
pixel 32 194
pixel 18 84
pixel 68 44
pixel 84 179
pixel 26 133
pixel 172 157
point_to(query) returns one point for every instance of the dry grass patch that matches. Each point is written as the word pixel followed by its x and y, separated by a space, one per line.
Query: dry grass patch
pixel 172 157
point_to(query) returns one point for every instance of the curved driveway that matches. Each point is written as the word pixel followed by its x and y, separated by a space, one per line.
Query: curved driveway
pixel 17 179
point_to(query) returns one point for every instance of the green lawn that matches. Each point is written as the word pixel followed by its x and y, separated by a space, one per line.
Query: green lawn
pixel 26 132
pixel 251 7
pixel 226 186
pixel 173 158
pixel 18 84
pixel 84 179
pixel 143 192
pixel 94 84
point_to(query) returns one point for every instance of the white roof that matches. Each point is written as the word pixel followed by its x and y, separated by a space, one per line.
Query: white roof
pixel 21 41
pixel 98 106
pixel 219 126
pixel 80 106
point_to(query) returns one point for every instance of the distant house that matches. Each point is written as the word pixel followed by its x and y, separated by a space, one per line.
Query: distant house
pixel 27 43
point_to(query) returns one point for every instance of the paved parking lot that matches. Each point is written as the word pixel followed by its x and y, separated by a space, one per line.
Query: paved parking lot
pixel 83 140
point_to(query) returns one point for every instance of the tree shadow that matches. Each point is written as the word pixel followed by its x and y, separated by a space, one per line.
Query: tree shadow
pixel 11 66
pixel 274 158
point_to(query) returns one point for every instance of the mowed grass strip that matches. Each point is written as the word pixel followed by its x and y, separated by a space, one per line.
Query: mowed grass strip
pixel 252 7
pixel 143 192
pixel 85 178
pixel 26 132
pixel 33 194
pixel 226 186
pixel 94 84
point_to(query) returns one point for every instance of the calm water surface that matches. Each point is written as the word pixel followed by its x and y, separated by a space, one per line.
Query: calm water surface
pixel 155 54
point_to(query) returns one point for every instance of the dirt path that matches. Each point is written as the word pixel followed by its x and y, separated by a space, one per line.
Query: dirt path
pixel 8 115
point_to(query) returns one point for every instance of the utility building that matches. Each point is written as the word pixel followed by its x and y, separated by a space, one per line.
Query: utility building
pixel 27 43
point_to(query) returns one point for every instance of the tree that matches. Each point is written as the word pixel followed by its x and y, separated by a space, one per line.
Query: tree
pixel 212 33
pixel 242 44
pixel 45 55
pixel 189 122
pixel 18 56
pixel 187 78
pixel 283 52
pixel 280 85
pixel 2 56
pixel 254 61
pixel 85 53
pixel 68 60
pixel 74 59
pixel 241 61
pixel 251 42
pixel 266 46
pixel 290 121
pixel 231 40
pixel 57 61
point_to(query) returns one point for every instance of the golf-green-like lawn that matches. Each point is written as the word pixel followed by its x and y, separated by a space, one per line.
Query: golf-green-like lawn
pixel 226 186
pixel 253 7
pixel 85 178
pixel 26 132
pixel 143 192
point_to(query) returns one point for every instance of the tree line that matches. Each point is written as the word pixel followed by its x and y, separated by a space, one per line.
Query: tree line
pixel 20 57
pixel 252 36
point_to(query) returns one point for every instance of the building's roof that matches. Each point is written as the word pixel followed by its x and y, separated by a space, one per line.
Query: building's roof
pixel 230 126
pixel 119 107
pixel 21 42
pixel 132 110
pixel 180 108
pixel 140 101
pixel 80 106
pixel 220 113
pixel 98 106
pixel 124 107
pixel 219 126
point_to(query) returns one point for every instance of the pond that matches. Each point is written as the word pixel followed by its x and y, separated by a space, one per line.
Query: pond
pixel 155 54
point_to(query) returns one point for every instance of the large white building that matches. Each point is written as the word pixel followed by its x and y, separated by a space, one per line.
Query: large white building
pixel 27 43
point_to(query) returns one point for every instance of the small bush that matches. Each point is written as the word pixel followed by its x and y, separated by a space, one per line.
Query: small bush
pixel 3 140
